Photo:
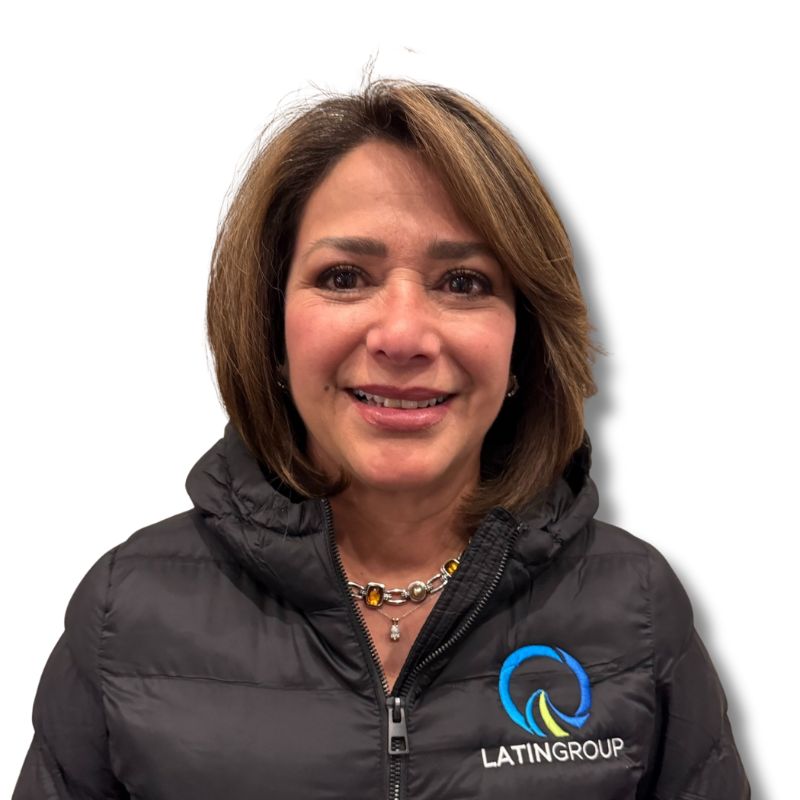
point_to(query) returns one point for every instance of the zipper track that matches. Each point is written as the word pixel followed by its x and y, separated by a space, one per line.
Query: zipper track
pixel 394 761
pixel 408 681
pixel 469 621
pixel 357 611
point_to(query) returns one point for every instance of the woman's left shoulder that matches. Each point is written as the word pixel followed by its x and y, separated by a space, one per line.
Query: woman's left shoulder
pixel 671 609
pixel 605 539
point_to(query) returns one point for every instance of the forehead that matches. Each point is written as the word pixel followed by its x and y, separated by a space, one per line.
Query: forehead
pixel 381 184
pixel 378 165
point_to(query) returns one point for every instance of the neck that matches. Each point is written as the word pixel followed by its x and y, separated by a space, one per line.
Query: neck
pixel 394 537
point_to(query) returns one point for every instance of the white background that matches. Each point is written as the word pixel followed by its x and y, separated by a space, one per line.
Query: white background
pixel 667 135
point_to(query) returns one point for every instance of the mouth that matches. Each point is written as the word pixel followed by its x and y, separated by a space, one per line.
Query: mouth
pixel 398 402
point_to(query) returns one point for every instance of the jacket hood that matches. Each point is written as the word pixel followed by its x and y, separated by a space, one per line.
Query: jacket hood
pixel 284 542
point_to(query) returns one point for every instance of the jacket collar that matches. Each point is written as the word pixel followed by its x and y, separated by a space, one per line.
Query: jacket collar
pixel 284 543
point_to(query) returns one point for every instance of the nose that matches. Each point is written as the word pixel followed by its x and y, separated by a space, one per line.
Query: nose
pixel 404 328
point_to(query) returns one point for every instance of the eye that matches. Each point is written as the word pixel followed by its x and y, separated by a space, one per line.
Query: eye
pixel 341 278
pixel 467 282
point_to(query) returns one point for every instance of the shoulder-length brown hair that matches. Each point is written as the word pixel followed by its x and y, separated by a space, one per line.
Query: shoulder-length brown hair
pixel 494 186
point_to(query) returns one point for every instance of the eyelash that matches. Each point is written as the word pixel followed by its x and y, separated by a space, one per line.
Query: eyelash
pixel 332 272
pixel 478 277
pixel 461 272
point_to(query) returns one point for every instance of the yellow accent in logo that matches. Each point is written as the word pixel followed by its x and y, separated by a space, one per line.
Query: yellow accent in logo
pixel 549 722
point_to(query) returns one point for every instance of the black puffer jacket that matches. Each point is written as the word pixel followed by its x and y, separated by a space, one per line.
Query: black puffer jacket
pixel 216 654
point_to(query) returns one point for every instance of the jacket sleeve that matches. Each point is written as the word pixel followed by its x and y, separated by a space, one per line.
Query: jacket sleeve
pixel 69 756
pixel 694 756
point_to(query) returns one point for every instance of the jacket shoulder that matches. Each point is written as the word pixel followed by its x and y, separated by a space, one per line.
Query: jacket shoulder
pixel 608 539
pixel 86 613
pixel 671 615
pixel 181 536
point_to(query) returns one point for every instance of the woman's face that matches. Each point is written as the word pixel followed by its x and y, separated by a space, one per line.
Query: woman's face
pixel 399 326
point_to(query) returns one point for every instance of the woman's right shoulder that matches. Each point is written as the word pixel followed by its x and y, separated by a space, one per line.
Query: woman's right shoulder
pixel 136 572
pixel 182 536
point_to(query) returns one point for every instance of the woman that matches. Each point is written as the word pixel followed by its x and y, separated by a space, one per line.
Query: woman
pixel 391 582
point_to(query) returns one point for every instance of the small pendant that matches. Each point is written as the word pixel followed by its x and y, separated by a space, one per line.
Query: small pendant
pixel 394 633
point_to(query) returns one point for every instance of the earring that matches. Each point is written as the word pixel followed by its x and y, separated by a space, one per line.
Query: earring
pixel 513 385
pixel 281 379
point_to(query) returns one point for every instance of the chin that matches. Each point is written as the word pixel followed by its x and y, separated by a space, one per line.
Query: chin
pixel 395 474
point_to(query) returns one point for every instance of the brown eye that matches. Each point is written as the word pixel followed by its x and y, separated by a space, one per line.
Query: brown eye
pixel 341 278
pixel 467 282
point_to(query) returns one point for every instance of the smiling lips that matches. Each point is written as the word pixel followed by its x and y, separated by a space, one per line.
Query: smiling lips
pixel 398 402
pixel 395 409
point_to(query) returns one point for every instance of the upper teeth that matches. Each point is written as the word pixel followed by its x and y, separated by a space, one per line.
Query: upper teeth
pixel 394 402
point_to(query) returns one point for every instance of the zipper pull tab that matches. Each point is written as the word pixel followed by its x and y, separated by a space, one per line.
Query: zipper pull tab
pixel 398 734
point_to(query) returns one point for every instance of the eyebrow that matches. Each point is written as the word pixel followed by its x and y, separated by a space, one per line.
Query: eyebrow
pixel 364 246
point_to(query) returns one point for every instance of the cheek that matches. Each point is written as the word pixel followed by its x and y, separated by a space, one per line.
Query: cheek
pixel 317 343
pixel 505 332
pixel 297 334
pixel 487 350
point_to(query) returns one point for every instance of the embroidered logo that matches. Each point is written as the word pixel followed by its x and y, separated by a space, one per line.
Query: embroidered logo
pixel 539 703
